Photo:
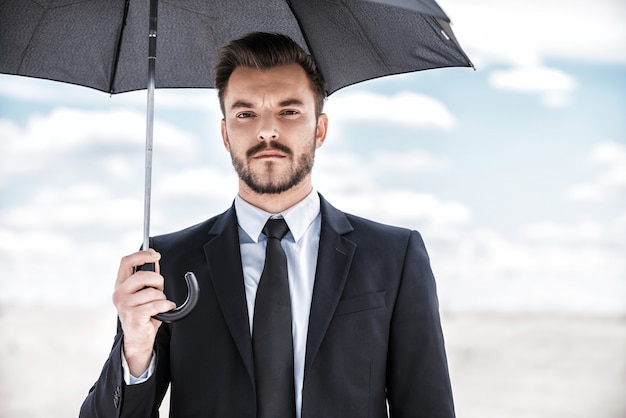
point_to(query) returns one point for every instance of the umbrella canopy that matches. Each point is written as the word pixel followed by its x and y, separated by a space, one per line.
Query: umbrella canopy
pixel 111 45
pixel 103 44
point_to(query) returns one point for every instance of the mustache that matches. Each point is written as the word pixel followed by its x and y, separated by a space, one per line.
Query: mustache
pixel 262 146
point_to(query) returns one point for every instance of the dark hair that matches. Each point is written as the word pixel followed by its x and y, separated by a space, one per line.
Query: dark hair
pixel 263 51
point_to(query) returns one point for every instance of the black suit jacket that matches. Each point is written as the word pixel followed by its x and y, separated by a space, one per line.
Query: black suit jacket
pixel 374 331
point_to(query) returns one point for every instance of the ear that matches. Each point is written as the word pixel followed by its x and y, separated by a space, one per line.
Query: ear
pixel 225 136
pixel 322 128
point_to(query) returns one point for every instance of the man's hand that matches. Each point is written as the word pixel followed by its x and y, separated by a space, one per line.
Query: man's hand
pixel 137 297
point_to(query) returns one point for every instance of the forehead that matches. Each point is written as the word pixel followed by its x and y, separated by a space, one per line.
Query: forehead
pixel 277 82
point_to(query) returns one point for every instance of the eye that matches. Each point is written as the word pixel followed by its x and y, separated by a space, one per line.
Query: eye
pixel 290 112
pixel 243 115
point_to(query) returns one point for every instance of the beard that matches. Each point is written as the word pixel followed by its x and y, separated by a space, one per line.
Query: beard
pixel 277 183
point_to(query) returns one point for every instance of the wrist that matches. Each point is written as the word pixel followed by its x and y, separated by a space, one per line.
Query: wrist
pixel 137 358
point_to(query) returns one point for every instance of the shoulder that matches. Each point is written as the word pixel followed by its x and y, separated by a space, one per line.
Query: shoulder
pixel 378 246
pixel 358 228
pixel 383 238
pixel 371 226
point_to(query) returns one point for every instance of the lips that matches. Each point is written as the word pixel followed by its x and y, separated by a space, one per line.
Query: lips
pixel 269 154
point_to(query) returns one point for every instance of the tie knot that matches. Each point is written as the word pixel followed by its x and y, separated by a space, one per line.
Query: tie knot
pixel 275 228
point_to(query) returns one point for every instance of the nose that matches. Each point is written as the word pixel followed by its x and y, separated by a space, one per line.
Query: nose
pixel 268 135
pixel 267 131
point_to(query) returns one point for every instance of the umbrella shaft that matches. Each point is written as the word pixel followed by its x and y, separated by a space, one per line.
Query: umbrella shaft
pixel 148 172
pixel 152 39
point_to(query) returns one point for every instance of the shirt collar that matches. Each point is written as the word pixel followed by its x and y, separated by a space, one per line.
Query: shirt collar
pixel 298 217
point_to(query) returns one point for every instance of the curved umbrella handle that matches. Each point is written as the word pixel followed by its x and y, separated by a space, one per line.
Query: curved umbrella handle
pixel 193 291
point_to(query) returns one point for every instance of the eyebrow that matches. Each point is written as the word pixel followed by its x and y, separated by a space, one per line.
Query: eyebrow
pixel 291 102
pixel 241 104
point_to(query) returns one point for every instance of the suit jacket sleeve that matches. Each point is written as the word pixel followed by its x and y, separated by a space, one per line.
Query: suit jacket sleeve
pixel 110 397
pixel 418 381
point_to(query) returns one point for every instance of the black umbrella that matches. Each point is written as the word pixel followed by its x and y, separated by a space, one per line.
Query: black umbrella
pixel 102 44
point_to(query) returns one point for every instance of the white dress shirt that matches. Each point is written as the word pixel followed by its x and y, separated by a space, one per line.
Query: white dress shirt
pixel 301 245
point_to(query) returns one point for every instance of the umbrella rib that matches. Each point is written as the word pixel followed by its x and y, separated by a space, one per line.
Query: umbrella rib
pixel 30 41
pixel 369 40
pixel 116 59
pixel 446 29
pixel 304 36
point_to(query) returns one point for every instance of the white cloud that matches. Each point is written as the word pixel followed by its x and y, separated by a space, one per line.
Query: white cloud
pixel 619 226
pixel 608 153
pixel 118 167
pixel 554 86
pixel 203 100
pixel 198 182
pixel 37 90
pixel 69 131
pixel 28 89
pixel 568 267
pixel 359 184
pixel 42 267
pixel 34 241
pixel 408 109
pixel 553 232
pixel 72 185
pixel 347 172
pixel 528 32
pixel 609 161
pixel 404 207
pixel 411 161
pixel 84 205
pixel 484 270
pixel 524 35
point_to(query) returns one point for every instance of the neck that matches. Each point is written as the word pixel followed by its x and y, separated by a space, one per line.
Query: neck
pixel 276 203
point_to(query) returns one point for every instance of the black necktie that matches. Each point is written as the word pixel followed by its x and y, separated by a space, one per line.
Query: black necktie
pixel 271 332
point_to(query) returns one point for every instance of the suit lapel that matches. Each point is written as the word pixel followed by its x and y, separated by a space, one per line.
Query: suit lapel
pixel 224 260
pixel 333 264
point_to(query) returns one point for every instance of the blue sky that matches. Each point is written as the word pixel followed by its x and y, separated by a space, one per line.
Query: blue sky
pixel 515 173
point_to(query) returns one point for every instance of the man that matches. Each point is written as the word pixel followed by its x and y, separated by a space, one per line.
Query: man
pixel 365 329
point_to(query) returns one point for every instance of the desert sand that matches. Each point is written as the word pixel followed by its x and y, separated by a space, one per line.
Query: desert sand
pixel 501 366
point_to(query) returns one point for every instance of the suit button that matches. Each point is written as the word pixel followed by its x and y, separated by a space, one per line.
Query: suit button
pixel 117 397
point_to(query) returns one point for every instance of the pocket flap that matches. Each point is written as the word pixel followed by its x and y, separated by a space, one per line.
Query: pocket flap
pixel 361 303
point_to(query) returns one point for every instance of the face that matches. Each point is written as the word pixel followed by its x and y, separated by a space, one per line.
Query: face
pixel 270 127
